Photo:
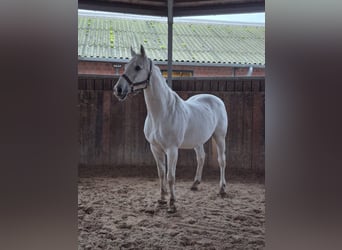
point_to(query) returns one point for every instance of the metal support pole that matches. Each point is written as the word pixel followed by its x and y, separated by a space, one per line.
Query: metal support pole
pixel 169 41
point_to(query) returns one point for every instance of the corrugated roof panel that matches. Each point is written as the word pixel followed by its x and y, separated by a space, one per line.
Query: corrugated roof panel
pixel 112 38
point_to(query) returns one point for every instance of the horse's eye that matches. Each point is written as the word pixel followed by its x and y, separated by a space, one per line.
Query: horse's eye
pixel 137 68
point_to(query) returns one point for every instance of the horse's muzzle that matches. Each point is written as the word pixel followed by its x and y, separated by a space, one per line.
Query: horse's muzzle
pixel 122 97
pixel 120 92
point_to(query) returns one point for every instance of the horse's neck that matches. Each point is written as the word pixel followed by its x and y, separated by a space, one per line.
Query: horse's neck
pixel 159 97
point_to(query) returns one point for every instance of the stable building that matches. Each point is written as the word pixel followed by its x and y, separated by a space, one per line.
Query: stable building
pixel 199 49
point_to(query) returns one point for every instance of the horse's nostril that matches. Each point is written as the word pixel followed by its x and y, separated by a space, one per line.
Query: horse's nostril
pixel 119 90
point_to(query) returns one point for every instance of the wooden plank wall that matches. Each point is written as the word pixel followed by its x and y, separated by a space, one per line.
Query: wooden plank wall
pixel 111 132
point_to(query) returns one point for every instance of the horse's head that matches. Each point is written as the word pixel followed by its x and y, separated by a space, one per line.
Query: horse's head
pixel 136 76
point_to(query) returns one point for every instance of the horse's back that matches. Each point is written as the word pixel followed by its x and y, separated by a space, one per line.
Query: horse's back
pixel 209 102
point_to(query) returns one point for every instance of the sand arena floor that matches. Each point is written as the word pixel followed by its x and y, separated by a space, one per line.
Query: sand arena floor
pixel 122 213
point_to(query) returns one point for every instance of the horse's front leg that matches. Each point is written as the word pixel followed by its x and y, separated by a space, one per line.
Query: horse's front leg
pixel 159 157
pixel 172 157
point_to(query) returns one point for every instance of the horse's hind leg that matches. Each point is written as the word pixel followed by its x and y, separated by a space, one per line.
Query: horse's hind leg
pixel 221 154
pixel 159 157
pixel 200 156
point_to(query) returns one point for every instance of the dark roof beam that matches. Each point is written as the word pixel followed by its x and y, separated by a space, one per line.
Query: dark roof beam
pixel 186 8
pixel 137 9
pixel 220 9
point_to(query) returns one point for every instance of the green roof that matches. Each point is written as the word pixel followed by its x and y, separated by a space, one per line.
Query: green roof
pixel 104 38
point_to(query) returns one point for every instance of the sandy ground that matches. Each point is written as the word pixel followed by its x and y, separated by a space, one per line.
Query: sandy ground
pixel 122 213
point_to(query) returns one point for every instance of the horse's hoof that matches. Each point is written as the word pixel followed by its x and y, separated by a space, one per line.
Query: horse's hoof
pixel 172 209
pixel 150 210
pixel 194 186
pixel 162 202
pixel 223 193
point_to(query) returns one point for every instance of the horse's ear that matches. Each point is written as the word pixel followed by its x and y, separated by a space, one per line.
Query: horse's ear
pixel 142 51
pixel 133 52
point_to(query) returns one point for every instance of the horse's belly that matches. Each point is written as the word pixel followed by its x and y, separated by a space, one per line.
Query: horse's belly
pixel 191 145
pixel 200 128
pixel 195 137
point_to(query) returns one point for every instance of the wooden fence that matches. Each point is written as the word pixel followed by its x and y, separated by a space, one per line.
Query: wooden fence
pixel 111 132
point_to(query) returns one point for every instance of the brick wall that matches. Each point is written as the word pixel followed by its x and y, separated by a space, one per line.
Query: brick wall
pixel 98 68
pixel 107 69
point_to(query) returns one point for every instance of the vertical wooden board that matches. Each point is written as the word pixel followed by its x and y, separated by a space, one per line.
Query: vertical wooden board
pixel 184 85
pixel 82 84
pixel 247 85
pixel 138 126
pixel 214 85
pixel 222 85
pixel 238 86
pixel 90 84
pixel 83 126
pixel 258 137
pixel 206 86
pixel 262 85
pixel 247 130
pixel 236 129
pixel 127 130
pixel 230 85
pixel 198 85
pixel 117 132
pixel 136 130
pixel 191 85
pixel 140 136
pixel 241 118
pixel 176 85
pixel 107 84
pixel 91 112
pixel 98 84
pixel 107 95
pixel 132 132
pixel 256 86
pixel 87 126
pixel 98 126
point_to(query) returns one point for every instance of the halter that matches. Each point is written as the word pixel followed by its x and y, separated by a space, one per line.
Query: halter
pixel 135 85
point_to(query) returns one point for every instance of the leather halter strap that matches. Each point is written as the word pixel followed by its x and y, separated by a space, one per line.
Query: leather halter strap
pixel 135 85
